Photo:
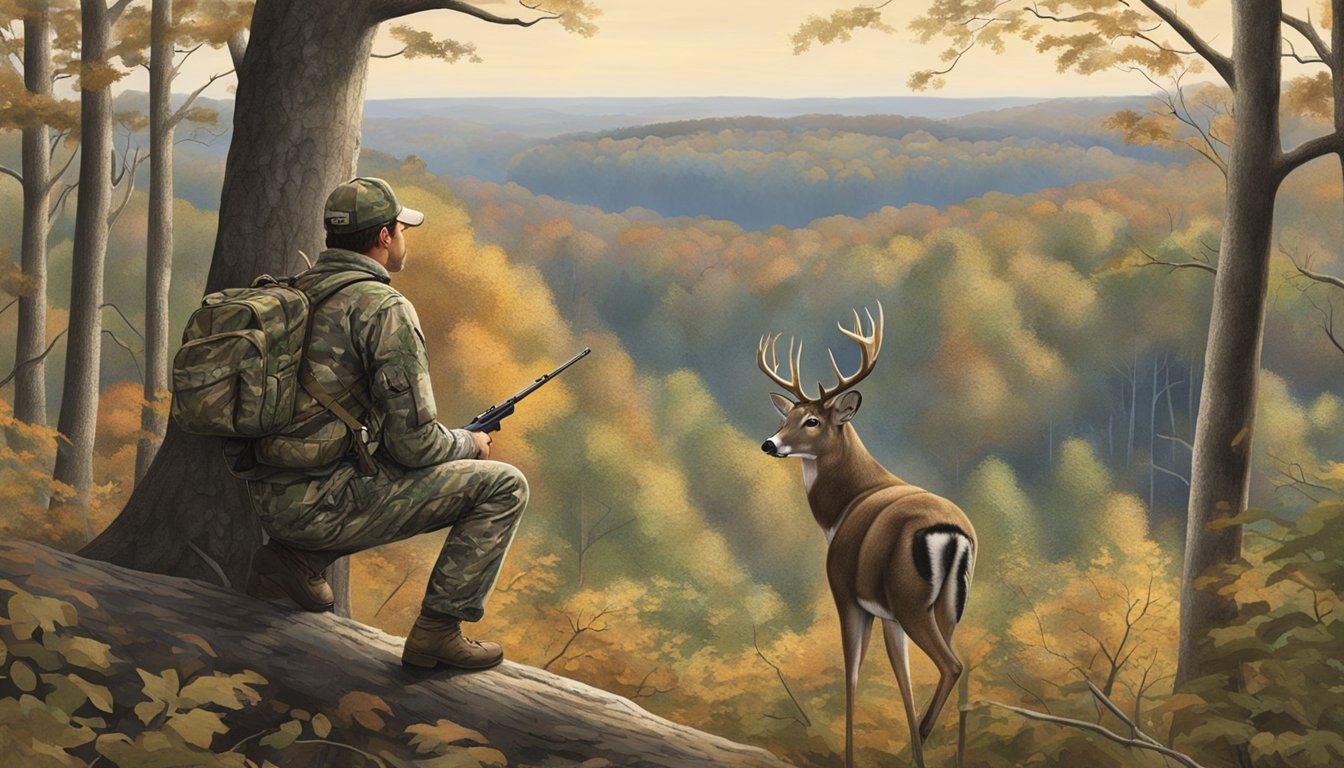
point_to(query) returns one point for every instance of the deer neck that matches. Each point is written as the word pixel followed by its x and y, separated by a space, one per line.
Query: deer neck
pixel 840 476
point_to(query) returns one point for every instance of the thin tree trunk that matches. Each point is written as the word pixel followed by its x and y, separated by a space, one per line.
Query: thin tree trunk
pixel 30 382
pixel 1220 474
pixel 79 395
pixel 295 137
pixel 159 242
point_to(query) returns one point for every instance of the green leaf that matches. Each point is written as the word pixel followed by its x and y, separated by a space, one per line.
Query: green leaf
pixel 65 695
pixel 284 736
pixel 197 727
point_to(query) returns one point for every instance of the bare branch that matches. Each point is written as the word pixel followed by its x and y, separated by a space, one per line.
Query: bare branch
pixel 392 594
pixel 11 172
pixel 1330 143
pixel 1307 30
pixel 124 319
pixel 210 561
pixel 1220 63
pixel 806 721
pixel 139 374
pixel 59 205
pixel 1099 730
pixel 33 361
pixel 191 99
pixel 1319 277
pixel 388 55
pixel 1173 265
pixel 1293 54
pixel 1175 439
pixel 386 10
pixel 58 175
pixel 1176 475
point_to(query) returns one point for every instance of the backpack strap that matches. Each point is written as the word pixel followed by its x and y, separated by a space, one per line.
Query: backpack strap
pixel 313 387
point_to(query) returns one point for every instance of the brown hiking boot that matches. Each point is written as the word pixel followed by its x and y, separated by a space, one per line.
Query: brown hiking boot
pixel 439 642
pixel 278 571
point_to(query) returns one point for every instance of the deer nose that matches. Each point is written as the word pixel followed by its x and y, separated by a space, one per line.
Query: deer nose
pixel 769 447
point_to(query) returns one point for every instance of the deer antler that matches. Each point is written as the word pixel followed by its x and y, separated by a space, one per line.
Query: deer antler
pixel 869 346
pixel 792 384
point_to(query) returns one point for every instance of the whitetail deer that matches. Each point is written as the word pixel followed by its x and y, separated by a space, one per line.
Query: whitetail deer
pixel 895 551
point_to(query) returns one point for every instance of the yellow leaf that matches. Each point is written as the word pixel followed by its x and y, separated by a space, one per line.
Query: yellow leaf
pixel 22 676
pixel 321 726
pixel 283 737
pixel 363 708
pixel 148 710
pixel 163 687
pixel 444 733
pixel 197 727
pixel 86 652
pixel 28 612
pixel 100 696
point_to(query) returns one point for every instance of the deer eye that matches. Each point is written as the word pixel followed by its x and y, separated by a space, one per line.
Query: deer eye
pixel 811 422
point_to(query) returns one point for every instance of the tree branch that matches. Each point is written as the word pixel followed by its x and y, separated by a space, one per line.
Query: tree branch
pixel 238 48
pixel 11 172
pixel 1318 277
pixel 191 99
pixel 386 10
pixel 1099 730
pixel 392 594
pixel 1307 30
pixel 388 55
pixel 139 374
pixel 1220 63
pixel 806 721
pixel 60 200
pixel 130 187
pixel 33 361
pixel 1309 150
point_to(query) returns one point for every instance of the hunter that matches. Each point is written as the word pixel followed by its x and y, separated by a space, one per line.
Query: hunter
pixel 365 462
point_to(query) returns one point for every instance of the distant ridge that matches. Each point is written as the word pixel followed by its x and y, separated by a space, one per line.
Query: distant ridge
pixel 664 109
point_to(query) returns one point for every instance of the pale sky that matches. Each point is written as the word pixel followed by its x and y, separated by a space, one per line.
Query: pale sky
pixel 715 48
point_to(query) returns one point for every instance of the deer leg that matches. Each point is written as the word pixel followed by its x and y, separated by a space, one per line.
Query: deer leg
pixel 899 654
pixel 855 627
pixel 925 634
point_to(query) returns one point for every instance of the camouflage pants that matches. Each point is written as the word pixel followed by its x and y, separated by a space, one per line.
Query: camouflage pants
pixel 345 513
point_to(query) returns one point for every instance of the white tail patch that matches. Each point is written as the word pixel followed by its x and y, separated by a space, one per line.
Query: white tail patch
pixel 938 544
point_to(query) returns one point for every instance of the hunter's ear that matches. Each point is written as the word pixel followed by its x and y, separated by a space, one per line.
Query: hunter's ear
pixel 782 403
pixel 845 406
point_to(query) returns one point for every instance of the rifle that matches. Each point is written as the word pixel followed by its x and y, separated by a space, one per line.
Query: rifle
pixel 489 420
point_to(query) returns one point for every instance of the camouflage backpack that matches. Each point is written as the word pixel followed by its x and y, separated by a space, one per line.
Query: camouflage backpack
pixel 242 358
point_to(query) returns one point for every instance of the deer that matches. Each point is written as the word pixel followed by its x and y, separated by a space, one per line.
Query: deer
pixel 895 552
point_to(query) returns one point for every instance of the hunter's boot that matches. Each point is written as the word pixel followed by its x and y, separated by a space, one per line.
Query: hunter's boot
pixel 439 642
pixel 279 571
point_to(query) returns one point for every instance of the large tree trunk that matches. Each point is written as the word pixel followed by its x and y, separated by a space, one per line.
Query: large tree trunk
pixel 159 238
pixel 30 382
pixel 79 396
pixel 1220 475
pixel 295 137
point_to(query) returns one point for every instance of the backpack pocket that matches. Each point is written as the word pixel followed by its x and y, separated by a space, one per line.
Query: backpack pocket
pixel 223 386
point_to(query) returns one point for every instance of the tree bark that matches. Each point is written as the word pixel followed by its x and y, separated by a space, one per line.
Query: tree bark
pixel 79 395
pixel 319 662
pixel 1220 475
pixel 295 137
pixel 30 383
pixel 159 238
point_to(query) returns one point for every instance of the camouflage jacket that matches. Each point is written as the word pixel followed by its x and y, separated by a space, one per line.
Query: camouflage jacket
pixel 367 350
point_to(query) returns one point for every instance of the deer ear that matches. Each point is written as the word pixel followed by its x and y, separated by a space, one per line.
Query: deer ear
pixel 846 405
pixel 782 403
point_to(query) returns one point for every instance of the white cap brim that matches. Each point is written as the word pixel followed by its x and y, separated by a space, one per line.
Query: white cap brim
pixel 411 217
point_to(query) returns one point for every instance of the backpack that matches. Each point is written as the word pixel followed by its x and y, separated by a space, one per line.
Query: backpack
pixel 241 363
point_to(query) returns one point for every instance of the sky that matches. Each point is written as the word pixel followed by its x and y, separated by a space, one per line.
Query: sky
pixel 714 48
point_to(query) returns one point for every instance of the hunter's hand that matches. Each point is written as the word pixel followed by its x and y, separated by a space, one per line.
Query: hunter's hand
pixel 482 441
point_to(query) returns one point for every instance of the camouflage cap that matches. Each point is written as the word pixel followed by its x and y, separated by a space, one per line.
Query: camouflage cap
pixel 366 202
